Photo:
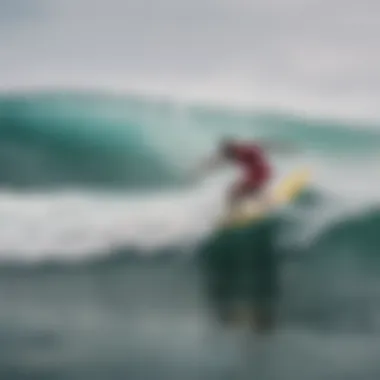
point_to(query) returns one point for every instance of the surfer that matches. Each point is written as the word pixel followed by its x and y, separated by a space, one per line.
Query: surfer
pixel 248 255
pixel 251 158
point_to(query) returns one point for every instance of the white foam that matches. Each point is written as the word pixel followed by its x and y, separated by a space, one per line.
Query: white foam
pixel 76 225
pixel 72 226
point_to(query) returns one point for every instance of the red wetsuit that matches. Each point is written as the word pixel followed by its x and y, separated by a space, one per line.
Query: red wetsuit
pixel 256 169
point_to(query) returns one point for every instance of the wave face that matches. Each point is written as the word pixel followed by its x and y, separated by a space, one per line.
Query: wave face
pixel 66 140
pixel 90 172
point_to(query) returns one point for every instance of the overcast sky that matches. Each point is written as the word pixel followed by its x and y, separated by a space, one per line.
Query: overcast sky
pixel 300 49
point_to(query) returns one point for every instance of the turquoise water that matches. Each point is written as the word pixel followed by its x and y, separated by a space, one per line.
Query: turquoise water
pixel 102 229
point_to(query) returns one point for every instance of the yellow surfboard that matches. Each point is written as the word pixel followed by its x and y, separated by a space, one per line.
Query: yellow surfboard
pixel 283 193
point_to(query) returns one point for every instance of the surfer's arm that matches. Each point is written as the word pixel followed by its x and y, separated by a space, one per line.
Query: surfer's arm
pixel 213 162
pixel 209 164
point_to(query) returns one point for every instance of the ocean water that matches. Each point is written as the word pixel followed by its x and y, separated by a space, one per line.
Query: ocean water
pixel 103 231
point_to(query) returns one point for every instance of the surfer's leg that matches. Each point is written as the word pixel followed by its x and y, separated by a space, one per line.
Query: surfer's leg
pixel 237 193
pixel 260 189
pixel 264 198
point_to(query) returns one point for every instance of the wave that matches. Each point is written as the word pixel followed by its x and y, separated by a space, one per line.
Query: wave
pixel 54 140
pixel 86 174
pixel 358 234
pixel 88 139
